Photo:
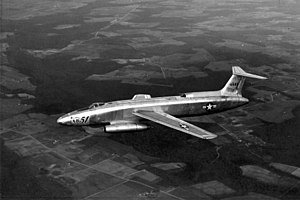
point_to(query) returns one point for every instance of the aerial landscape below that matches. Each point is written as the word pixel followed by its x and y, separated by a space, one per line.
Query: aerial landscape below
pixel 58 56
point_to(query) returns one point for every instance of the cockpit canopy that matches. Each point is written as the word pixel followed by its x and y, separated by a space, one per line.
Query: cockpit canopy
pixel 95 105
pixel 92 106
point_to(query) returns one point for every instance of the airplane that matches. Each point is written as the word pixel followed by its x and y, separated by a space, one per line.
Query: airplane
pixel 129 115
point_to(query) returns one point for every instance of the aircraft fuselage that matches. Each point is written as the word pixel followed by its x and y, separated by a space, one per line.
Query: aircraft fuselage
pixel 117 112
pixel 126 115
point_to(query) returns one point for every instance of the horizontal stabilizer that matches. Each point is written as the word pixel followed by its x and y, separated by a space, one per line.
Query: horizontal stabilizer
pixel 235 84
pixel 236 70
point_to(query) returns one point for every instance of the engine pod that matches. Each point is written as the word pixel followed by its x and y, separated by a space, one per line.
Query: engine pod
pixel 115 128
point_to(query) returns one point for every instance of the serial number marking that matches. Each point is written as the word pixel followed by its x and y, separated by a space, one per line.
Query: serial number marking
pixel 82 120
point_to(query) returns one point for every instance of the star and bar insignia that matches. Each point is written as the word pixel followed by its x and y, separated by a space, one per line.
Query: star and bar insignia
pixel 209 106
pixel 184 126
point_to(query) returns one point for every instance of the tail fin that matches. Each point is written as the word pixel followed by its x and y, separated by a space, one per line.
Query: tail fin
pixel 235 84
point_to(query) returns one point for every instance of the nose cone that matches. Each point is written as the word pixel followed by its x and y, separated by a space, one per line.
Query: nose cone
pixel 64 120
pixel 60 120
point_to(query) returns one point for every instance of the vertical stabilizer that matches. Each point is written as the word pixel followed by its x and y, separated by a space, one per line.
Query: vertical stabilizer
pixel 235 84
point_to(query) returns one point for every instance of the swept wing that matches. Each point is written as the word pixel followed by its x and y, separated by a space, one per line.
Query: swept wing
pixel 175 123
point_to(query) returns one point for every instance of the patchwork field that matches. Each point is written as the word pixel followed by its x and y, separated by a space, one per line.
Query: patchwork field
pixel 58 56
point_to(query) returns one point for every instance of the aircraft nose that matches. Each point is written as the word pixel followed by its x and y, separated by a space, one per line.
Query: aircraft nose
pixel 62 120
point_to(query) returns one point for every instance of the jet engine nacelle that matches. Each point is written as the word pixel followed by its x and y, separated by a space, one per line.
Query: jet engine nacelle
pixel 115 128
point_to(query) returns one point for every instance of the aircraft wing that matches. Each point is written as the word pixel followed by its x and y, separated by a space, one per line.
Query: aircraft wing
pixel 175 123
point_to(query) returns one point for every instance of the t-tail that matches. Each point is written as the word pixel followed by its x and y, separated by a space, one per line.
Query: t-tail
pixel 235 84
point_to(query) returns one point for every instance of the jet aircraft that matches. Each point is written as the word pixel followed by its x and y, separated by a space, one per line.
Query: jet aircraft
pixel 129 115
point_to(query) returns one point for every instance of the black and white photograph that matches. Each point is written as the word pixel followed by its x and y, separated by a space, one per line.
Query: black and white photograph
pixel 150 99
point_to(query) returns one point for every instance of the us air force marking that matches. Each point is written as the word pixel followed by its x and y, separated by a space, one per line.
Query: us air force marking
pixel 209 106
pixel 184 126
